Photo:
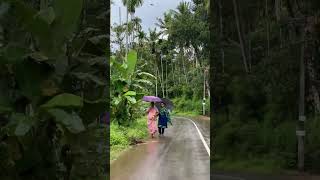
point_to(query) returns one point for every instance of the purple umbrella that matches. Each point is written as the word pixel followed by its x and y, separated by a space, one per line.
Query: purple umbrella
pixel 151 99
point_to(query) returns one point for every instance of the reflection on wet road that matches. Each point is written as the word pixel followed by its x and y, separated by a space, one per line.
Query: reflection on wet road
pixel 243 176
pixel 179 155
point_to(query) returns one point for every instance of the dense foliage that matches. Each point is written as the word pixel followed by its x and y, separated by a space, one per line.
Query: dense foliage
pixel 256 52
pixel 121 137
pixel 53 88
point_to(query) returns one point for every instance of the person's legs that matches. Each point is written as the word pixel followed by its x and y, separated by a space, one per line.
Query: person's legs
pixel 159 130
pixel 162 130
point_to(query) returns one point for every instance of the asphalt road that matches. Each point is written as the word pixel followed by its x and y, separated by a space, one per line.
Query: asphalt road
pixel 179 155
pixel 244 176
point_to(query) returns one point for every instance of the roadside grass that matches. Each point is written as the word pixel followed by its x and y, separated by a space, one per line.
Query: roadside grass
pixel 185 113
pixel 253 165
pixel 122 137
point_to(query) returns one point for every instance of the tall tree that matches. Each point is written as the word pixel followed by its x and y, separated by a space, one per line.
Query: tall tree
pixel 131 6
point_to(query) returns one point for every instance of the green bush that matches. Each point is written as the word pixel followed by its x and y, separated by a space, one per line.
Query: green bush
pixel 122 136
pixel 186 104
pixel 117 136
pixel 313 144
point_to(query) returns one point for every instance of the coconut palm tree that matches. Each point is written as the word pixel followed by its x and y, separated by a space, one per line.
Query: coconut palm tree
pixel 136 22
pixel 141 37
pixel 131 6
pixel 165 23
pixel 182 33
pixel 152 40
pixel 119 30
pixel 131 29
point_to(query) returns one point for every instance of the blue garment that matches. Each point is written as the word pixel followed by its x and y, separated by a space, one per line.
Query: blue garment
pixel 164 117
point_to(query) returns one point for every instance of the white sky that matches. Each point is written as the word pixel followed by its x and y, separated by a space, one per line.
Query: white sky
pixel 146 12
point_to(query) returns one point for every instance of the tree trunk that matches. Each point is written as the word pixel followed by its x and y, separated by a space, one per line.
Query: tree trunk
pixel 132 34
pixel 204 91
pixel 43 4
pixel 222 56
pixel 221 33
pixel 249 55
pixel 166 81
pixel 196 56
pixel 179 72
pixel 277 5
pixel 220 19
pixel 312 73
pixel 173 77
pixel 120 23
pixel 156 72
pixel 280 37
pixel 267 29
pixel 183 64
pixel 156 83
pixel 301 109
pixel 162 81
pixel 240 34
pixel 127 33
pixel 1 36
pixel 208 87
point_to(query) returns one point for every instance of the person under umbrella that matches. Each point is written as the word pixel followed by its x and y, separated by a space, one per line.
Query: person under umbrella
pixel 164 118
pixel 152 112
pixel 152 119
pixel 168 105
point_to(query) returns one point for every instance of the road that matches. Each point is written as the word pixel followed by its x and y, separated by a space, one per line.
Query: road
pixel 179 155
pixel 244 176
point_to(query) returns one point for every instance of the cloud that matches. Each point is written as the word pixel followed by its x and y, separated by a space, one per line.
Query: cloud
pixel 148 12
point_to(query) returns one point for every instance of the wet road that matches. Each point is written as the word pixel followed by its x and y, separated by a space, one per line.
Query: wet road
pixel 179 155
pixel 243 176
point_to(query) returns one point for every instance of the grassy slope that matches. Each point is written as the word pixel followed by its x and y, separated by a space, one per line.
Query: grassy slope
pixel 187 114
pixel 121 137
pixel 255 165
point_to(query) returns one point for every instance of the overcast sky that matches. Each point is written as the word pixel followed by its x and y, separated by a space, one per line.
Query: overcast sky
pixel 146 12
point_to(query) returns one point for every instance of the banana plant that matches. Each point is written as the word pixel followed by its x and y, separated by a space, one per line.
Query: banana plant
pixel 128 86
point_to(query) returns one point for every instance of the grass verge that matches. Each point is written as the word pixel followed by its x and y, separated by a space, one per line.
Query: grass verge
pixel 253 165
pixel 122 137
pixel 187 113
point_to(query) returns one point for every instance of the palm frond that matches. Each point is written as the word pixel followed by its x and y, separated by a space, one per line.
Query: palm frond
pixel 138 86
pixel 147 74
pixel 144 81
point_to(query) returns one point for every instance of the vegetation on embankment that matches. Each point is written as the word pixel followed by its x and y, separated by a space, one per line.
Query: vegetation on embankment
pixel 122 137
pixel 189 107
pixel 254 165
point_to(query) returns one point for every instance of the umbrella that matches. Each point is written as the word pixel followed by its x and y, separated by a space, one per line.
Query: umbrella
pixel 167 102
pixel 151 99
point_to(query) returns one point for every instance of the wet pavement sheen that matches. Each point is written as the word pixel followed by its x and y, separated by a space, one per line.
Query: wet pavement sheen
pixel 179 155
pixel 242 176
